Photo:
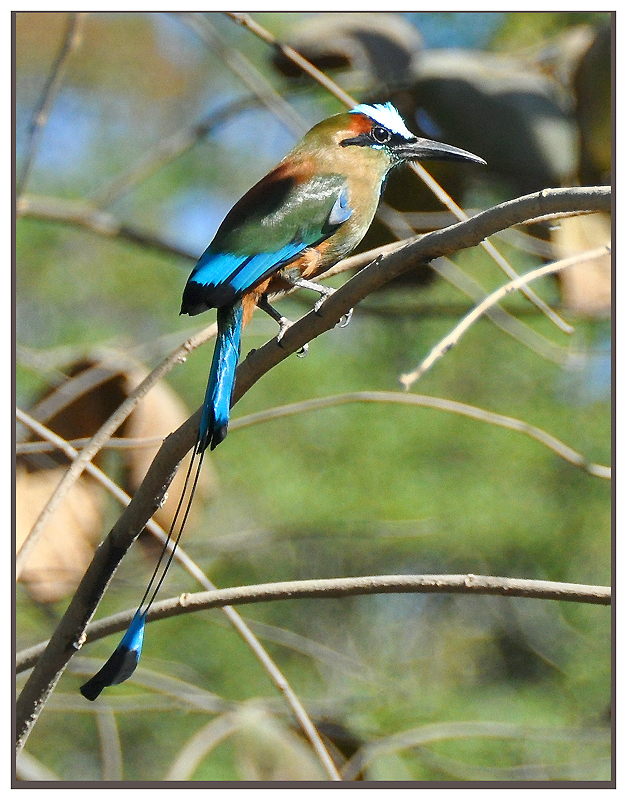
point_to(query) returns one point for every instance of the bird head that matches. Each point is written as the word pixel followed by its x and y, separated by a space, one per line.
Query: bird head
pixel 380 127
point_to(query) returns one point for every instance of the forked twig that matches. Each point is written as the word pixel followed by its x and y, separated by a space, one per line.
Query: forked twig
pixel 449 341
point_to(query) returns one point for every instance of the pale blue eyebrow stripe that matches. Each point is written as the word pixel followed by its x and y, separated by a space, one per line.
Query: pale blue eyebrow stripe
pixel 386 115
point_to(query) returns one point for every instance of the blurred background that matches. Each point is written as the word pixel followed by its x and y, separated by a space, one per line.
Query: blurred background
pixel 157 123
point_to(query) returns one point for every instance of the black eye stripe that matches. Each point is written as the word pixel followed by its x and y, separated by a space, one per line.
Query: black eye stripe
pixel 378 135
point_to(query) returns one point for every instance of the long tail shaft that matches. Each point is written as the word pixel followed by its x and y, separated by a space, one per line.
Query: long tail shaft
pixel 213 427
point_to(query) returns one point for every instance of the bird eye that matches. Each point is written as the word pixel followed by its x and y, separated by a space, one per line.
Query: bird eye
pixel 381 135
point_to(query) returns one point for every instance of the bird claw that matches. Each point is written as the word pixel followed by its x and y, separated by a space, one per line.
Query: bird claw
pixel 324 293
pixel 284 324
pixel 344 319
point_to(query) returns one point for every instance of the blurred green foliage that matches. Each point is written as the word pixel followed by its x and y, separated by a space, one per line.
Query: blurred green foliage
pixel 350 490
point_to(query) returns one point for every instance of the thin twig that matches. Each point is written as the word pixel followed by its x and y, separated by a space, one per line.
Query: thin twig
pixel 110 744
pixel 71 40
pixel 101 436
pixel 508 323
pixel 166 150
pixel 115 443
pixel 452 273
pixel 86 215
pixel 449 341
pixel 436 732
pixel 425 401
pixel 71 389
pixel 490 248
pixel 307 67
pixel 200 745
pixel 245 71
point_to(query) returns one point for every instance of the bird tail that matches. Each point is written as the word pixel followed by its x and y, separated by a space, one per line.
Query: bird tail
pixel 213 427
pixel 214 421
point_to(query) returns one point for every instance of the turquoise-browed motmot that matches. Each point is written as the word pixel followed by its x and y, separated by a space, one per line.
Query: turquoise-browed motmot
pixel 309 212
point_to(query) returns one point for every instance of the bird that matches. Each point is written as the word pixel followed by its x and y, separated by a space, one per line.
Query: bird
pixel 304 216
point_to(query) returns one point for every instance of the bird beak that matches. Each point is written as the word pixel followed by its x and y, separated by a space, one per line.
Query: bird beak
pixel 428 150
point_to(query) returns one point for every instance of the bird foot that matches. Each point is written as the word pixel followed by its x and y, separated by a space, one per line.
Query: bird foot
pixel 344 319
pixel 284 324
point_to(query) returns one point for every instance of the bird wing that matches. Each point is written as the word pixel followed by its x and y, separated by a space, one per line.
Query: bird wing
pixel 268 228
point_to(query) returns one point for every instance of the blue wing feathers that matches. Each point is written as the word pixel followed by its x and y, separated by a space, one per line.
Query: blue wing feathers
pixel 221 277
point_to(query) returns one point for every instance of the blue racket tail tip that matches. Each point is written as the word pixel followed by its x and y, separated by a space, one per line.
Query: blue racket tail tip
pixel 123 661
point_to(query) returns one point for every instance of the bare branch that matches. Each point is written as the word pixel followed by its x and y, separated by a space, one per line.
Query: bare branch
pixel 342 587
pixel 86 215
pixel 246 72
pixel 440 403
pixel 423 250
pixel 166 150
pixel 402 398
pixel 307 67
pixel 492 251
pixel 446 268
pixel 232 615
pixel 435 732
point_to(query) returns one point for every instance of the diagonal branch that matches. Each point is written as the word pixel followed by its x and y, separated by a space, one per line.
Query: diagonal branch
pixel 69 635
pixel 454 336
pixel 443 242
pixel 240 625
pixel 71 40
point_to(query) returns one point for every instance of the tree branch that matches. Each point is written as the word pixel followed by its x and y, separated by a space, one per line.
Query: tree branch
pixel 328 588
pixel 317 403
pixel 69 635
pixel 462 235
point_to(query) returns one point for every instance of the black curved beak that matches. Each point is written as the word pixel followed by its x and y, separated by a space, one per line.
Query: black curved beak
pixel 428 150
